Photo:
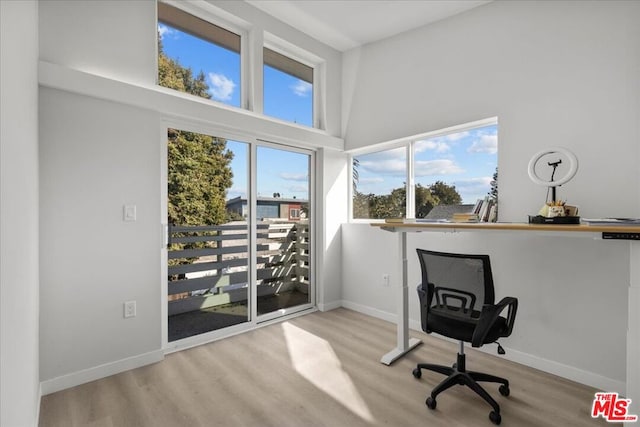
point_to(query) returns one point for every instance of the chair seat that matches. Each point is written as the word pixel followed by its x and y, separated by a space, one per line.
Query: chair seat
pixel 462 329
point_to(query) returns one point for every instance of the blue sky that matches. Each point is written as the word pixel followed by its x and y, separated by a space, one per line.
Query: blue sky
pixel 465 159
pixel 285 97
pixel 278 171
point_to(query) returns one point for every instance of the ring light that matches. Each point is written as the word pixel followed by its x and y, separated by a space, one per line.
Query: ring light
pixel 573 167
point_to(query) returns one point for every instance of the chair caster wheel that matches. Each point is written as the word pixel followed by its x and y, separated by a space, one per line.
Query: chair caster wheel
pixel 504 390
pixel 495 418
pixel 417 373
pixel 431 403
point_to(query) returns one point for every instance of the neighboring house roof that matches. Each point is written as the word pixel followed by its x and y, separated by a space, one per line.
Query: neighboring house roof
pixel 266 199
pixel 447 211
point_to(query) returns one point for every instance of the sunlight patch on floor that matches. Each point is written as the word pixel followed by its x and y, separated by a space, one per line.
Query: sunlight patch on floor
pixel 314 359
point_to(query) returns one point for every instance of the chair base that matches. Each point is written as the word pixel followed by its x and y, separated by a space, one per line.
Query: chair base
pixel 458 375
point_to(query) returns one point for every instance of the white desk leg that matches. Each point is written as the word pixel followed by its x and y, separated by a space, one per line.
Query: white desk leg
pixel 633 334
pixel 404 344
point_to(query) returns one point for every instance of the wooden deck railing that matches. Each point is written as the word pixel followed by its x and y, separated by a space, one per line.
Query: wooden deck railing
pixel 208 265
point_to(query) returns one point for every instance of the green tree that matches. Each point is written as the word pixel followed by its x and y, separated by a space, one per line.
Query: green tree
pixel 393 205
pixel 199 171
pixel 493 193
pixel 198 179
pixel 445 194
pixel 425 201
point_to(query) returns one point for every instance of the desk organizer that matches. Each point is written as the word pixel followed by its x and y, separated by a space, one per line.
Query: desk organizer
pixel 539 219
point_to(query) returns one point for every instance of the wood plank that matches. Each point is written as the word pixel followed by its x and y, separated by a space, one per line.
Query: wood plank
pixel 197 253
pixel 509 226
pixel 320 370
pixel 205 266
pixel 209 238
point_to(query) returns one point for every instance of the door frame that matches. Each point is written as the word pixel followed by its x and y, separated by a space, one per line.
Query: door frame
pixel 254 321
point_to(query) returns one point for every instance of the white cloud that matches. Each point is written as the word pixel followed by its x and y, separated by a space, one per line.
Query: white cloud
pixel 475 184
pixel 432 145
pixel 294 176
pixel 298 189
pixel 472 189
pixel 221 87
pixel 372 180
pixel 386 167
pixel 456 136
pixel 436 167
pixel 485 144
pixel 163 29
pixel 301 88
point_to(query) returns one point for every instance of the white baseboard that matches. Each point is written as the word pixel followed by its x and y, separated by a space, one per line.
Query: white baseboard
pixel 102 371
pixel 550 366
pixel 330 306
pixel 373 312
pixel 39 403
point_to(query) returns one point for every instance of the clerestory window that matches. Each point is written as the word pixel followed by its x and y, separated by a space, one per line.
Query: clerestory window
pixel 198 57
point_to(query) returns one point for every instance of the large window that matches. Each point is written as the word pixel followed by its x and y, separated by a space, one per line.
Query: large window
pixel 288 88
pixel 451 172
pixel 198 57
pixel 240 234
pixel 379 189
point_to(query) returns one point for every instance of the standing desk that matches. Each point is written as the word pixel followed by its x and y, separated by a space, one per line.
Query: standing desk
pixel 406 344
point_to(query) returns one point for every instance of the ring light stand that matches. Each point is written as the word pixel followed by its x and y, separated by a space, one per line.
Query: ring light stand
pixel 563 155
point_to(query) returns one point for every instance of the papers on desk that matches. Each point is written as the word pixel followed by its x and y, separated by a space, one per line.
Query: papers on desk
pixel 413 220
pixel 612 221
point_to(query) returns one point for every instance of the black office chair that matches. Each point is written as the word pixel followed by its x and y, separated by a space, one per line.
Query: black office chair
pixel 457 301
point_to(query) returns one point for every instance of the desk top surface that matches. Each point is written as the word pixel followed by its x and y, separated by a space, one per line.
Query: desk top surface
pixel 515 226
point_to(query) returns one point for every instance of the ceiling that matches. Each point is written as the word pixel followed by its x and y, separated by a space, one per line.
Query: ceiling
pixel 346 24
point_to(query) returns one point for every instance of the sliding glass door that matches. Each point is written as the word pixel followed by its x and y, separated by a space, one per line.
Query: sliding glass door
pixel 208 243
pixel 283 216
pixel 235 256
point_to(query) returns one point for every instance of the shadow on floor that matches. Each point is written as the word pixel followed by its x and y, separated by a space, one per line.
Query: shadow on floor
pixel 197 322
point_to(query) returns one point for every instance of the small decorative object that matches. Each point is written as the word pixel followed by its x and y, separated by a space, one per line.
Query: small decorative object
pixel 554 211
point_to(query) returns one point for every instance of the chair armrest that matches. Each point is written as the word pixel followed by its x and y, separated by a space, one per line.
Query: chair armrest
pixel 425 297
pixel 490 314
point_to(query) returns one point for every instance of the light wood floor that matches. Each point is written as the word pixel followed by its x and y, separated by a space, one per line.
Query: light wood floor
pixel 321 369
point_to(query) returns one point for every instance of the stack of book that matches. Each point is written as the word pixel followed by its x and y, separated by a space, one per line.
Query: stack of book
pixel 465 217
pixel 486 209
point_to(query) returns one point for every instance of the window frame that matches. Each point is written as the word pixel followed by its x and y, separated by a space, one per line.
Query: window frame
pixel 254 141
pixel 212 15
pixel 252 41
pixel 295 53
pixel 409 144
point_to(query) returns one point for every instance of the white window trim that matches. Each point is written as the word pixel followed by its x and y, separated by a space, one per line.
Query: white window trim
pixel 318 64
pixel 229 22
pixel 254 141
pixel 409 144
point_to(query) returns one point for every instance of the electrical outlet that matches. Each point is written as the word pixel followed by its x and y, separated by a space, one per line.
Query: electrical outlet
pixel 129 213
pixel 385 280
pixel 129 309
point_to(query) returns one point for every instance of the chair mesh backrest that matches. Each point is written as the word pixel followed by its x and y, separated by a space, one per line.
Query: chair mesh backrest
pixel 464 273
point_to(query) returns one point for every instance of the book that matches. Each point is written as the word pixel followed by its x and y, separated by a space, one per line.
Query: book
pixel 465 217
pixel 612 221
pixel 395 220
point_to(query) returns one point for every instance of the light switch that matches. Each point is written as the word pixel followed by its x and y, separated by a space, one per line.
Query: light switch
pixel 129 213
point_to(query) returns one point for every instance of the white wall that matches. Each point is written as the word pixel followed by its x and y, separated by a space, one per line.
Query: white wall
pixel 101 148
pixel 334 173
pixel 554 73
pixel 19 378
pixel 96 157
